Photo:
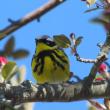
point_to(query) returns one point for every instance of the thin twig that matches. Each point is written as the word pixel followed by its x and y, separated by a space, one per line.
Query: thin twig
pixel 78 58
pixel 101 58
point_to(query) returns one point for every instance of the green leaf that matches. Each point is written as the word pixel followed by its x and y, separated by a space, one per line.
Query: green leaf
pixel 9 46
pixel 78 41
pixel 62 41
pixel 21 53
pixel 91 10
pixel 99 20
pixel 9 70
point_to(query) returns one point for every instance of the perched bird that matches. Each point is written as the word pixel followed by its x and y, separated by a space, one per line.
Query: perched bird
pixel 50 64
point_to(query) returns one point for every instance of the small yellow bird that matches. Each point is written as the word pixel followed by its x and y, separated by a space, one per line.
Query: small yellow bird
pixel 49 64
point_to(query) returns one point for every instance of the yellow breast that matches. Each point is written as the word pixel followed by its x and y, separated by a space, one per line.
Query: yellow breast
pixel 52 67
pixel 52 74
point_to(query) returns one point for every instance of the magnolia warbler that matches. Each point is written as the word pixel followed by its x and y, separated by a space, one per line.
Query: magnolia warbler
pixel 49 63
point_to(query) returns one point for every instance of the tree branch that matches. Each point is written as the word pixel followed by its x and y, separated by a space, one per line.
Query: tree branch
pixel 103 55
pixel 29 17
pixel 28 92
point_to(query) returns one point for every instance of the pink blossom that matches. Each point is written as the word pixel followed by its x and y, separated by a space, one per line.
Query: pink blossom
pixel 3 60
pixel 102 68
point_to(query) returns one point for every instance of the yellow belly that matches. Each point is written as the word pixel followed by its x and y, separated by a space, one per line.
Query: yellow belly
pixel 51 74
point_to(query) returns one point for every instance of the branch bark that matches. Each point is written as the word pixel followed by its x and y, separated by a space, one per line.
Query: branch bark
pixel 15 25
pixel 28 92
pixel 103 55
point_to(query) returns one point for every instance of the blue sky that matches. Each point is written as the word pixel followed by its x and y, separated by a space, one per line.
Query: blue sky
pixel 66 18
